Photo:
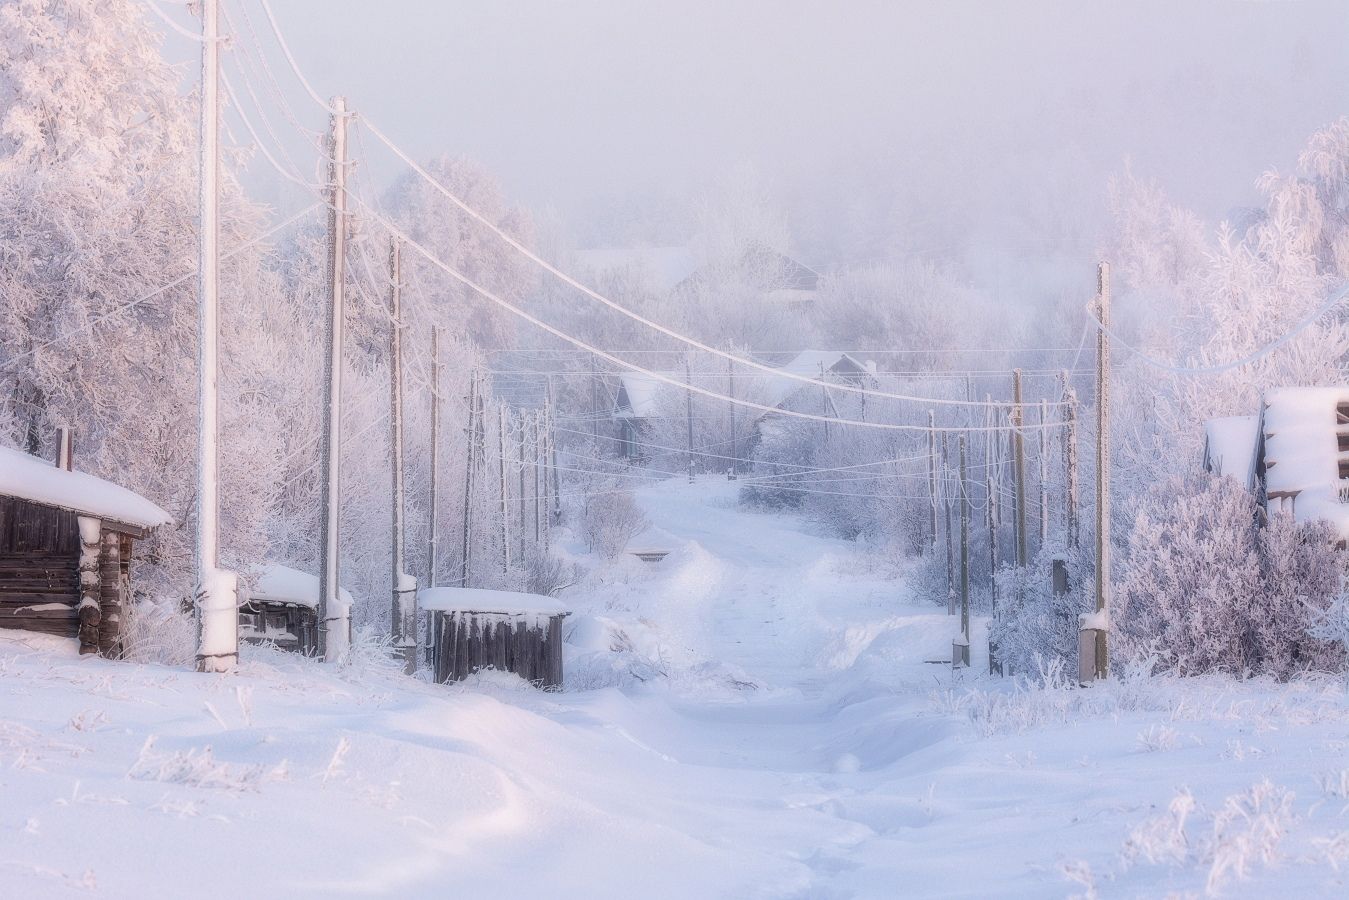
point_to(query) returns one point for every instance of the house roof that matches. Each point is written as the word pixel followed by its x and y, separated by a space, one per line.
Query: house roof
pixel 809 364
pixel 1301 428
pixel 777 275
pixel 1230 445
pixel 640 391
pixel 29 478
pixel 282 584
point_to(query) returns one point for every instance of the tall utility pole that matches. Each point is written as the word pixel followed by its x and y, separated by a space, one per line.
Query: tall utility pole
pixel 730 392
pixel 534 475
pixel 217 619
pixel 595 410
pixel 433 550
pixel 1019 460
pixel 556 502
pixel 824 403
pixel 333 623
pixel 471 434
pixel 404 613
pixel 688 412
pixel 1044 472
pixel 964 553
pixel 932 475
pixel 1103 469
pixel 505 504
pixel 541 475
pixel 1070 461
pixel 520 434
pixel 990 462
pixel 946 498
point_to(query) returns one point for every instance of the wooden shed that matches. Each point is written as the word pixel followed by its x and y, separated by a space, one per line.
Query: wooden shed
pixel 65 550
pixel 282 609
pixel 473 629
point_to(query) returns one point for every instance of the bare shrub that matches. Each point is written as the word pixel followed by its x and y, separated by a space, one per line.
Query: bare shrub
pixel 609 521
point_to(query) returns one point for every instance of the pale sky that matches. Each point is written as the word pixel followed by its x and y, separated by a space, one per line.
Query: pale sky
pixel 946 118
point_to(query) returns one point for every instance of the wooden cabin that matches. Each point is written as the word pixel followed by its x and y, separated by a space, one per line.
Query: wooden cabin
pixel 472 629
pixel 1301 462
pixel 282 609
pixel 66 541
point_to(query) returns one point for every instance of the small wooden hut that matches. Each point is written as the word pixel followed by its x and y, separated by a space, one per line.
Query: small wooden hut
pixel 282 609
pixel 473 629
pixel 1301 464
pixel 65 550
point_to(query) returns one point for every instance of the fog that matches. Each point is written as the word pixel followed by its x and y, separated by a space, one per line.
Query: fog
pixel 877 129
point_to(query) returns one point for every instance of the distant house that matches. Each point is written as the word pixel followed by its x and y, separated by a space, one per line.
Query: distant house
pixel 282 609
pixel 1229 447
pixel 65 550
pixel 777 277
pixel 633 409
pixel 1301 463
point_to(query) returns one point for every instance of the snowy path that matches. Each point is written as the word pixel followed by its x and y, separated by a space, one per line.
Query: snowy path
pixel 770 729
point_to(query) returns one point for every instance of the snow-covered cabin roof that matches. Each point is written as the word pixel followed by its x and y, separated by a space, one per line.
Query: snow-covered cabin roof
pixel 1304 433
pixel 664 266
pixel 809 364
pixel 637 395
pixel 1229 446
pixel 481 600
pixel 282 584
pixel 30 478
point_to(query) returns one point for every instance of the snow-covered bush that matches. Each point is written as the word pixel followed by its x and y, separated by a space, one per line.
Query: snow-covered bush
pixel 1034 626
pixel 609 521
pixel 1209 589
pixel 159 633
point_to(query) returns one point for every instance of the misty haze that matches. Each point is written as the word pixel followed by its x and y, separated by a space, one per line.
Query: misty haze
pixel 694 449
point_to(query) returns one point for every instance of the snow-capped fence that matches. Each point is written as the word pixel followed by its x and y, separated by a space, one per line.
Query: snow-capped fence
pixel 473 629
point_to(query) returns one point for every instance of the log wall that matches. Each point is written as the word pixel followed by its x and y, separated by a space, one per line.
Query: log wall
pixel 39 575
pixel 529 646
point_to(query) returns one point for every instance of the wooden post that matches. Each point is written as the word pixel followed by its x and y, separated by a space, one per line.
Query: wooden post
pixel 946 499
pixel 466 549
pixel 333 617
pixel 964 554
pixel 1102 661
pixel 1019 461
pixel 65 449
pixel 404 613
pixel 540 483
pixel 90 608
pixel 505 504
pixel 932 476
pixel 1044 472
pixel 433 554
pixel 520 434
pixel 1070 504
pixel 555 503
pixel 990 459
pixel 730 392
pixel 534 473
pixel 688 413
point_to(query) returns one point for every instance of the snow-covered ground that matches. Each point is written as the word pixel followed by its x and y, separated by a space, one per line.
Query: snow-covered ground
pixel 755 716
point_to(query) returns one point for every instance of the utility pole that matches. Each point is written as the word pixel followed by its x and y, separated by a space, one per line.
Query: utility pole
pixel 434 549
pixel 404 613
pixel 520 426
pixel 991 514
pixel 1019 460
pixel 505 498
pixel 541 479
pixel 1070 461
pixel 1103 471
pixel 730 392
pixel 334 620
pixel 1044 472
pixel 466 547
pixel 964 555
pixel 824 403
pixel 216 603
pixel 555 503
pixel 932 475
pixel 688 412
pixel 595 409
pixel 505 505
pixel 534 442
pixel 946 497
